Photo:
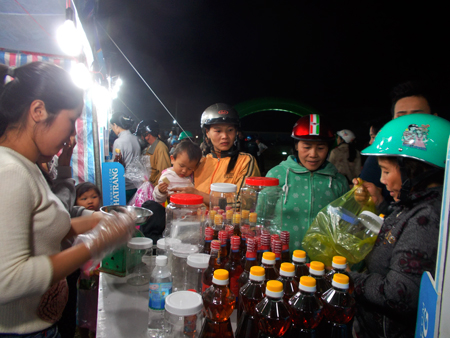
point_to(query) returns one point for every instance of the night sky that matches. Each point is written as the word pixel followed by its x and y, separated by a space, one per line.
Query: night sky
pixel 340 58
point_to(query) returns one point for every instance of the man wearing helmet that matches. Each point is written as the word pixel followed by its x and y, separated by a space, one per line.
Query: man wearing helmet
pixel 157 149
pixel 309 181
pixel 412 168
pixel 345 157
pixel 223 163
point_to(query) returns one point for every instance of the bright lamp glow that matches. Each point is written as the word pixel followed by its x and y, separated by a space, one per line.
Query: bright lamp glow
pixel 174 121
pixel 102 101
pixel 69 39
pixel 81 76
pixel 284 153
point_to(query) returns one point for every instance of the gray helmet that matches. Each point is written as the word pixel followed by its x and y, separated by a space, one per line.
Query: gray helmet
pixel 147 127
pixel 219 113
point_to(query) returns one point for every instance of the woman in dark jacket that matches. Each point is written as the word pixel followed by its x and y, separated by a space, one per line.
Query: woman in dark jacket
pixel 411 153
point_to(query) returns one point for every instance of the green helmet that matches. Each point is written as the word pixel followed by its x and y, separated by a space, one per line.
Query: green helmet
pixel 185 134
pixel 422 137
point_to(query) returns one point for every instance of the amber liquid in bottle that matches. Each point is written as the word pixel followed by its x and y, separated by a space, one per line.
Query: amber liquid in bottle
pixel 233 266
pixel 209 233
pixel 218 304
pixel 249 262
pixel 290 285
pixel 249 296
pixel 118 157
pixel 299 261
pixel 214 264
pixel 329 277
pixel 285 254
pixel 223 236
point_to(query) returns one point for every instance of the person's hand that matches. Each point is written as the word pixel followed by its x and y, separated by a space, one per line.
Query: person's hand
pixel 111 232
pixel 374 191
pixel 185 190
pixel 162 187
pixel 66 154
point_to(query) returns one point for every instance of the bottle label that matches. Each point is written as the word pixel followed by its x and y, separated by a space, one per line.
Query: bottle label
pixel 157 295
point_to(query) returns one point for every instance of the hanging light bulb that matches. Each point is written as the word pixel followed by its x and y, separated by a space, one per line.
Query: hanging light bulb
pixel 67 35
pixel 81 76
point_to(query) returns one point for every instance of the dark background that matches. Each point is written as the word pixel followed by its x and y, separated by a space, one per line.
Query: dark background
pixel 340 58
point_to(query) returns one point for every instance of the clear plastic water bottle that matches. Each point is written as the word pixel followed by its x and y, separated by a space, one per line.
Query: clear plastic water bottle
pixel 159 288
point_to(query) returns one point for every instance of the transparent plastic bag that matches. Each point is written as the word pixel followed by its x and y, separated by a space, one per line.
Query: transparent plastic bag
pixel 330 233
pixel 138 171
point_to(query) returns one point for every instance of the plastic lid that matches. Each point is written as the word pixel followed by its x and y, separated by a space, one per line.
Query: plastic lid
pixel 287 269
pixel 268 257
pixel 198 260
pixel 274 288
pixel 215 245
pixel 184 303
pixel 236 217
pixel 340 281
pixel 186 199
pixel 257 271
pixel 220 277
pixel 253 217
pixel 229 214
pixel 223 187
pixel 316 268
pixel 161 260
pixel 218 219
pixel 262 181
pixel 183 250
pixel 375 222
pixel 212 214
pixel 245 213
pixel 299 256
pixel 307 284
pixel 140 243
pixel 164 243
pixel 339 262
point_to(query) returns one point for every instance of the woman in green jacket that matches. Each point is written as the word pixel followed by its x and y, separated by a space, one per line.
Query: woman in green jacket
pixel 309 181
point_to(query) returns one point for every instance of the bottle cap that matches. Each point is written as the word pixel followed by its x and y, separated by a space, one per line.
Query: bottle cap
pixel 183 250
pixel 140 243
pixel 307 284
pixel 215 245
pixel 161 260
pixel 274 289
pixel 257 273
pixel 245 213
pixel 262 181
pixel 220 277
pixel 215 208
pixel 228 207
pixel 218 219
pixel 340 281
pixel 198 260
pixel 268 258
pixel 209 233
pixel 223 187
pixel 299 256
pixel 117 151
pixel 220 211
pixel 184 303
pixel 252 217
pixel 236 217
pixel 371 221
pixel 223 236
pixel 339 262
pixel 235 242
pixel 212 214
pixel 229 214
pixel 166 242
pixel 316 268
pixel 186 199
pixel 287 270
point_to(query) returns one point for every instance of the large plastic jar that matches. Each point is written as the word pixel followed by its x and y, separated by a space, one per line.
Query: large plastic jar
pixel 263 196
pixel 222 195
pixel 197 264
pixel 163 248
pixel 185 219
pixel 183 317
pixel 137 270
pixel 180 253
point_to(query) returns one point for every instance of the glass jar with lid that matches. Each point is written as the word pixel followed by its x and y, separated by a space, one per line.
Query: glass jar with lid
pixel 223 195
pixel 263 196
pixel 180 253
pixel 185 219
pixel 183 316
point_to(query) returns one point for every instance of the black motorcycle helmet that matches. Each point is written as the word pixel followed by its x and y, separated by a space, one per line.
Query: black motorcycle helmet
pixel 147 127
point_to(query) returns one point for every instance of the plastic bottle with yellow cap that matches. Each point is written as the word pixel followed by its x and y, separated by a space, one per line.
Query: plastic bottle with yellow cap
pixel 268 263
pixel 218 304
pixel 306 309
pixel 317 270
pixel 338 308
pixel 250 261
pixel 272 313
pixel 339 264
pixel 290 285
pixel 299 261
pixel 237 224
pixel 249 296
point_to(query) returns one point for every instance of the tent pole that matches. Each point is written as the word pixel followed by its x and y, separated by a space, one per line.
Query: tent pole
pixel 97 159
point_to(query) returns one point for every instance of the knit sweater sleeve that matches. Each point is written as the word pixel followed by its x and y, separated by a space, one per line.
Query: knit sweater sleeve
pixel 22 273
pixel 413 250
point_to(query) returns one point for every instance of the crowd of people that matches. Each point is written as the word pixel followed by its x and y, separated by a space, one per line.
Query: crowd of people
pixel 52 228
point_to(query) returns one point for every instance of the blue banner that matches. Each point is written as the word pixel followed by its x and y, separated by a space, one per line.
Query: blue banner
pixel 426 314
pixel 113 183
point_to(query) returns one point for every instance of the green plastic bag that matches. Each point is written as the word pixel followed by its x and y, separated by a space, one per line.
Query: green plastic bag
pixel 329 234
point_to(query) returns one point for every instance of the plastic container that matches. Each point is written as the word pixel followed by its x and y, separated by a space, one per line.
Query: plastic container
pixel 197 264
pixel 222 195
pixel 299 261
pixel 163 248
pixel 339 265
pixel 180 253
pixel 185 216
pixel 159 288
pixel 290 285
pixel 183 317
pixel 317 271
pixel 138 272
pixel 263 196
